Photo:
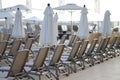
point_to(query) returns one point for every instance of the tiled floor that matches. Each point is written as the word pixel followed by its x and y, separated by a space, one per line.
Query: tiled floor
pixel 108 70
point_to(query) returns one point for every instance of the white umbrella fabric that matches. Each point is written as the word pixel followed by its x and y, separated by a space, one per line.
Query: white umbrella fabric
pixel 83 31
pixel 21 7
pixel 5 28
pixel 33 19
pixel 47 31
pixel 4 14
pixel 8 16
pixel 105 28
pixel 18 30
pixel 14 8
pixel 55 34
pixel 70 7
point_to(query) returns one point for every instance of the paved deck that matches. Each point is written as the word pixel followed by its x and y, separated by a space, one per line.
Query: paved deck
pixel 108 70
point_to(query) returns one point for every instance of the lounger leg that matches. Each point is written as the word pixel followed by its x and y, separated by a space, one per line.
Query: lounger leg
pixel 39 77
pixel 83 64
pixel 101 58
pixel 92 62
pixel 49 76
pixel 67 69
pixel 75 67
pixel 30 77
pixel 57 75
pixel 54 76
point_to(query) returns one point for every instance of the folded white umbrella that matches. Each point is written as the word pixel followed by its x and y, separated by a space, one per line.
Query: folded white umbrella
pixel 83 31
pixel 18 30
pixel 55 34
pixel 105 28
pixel 47 31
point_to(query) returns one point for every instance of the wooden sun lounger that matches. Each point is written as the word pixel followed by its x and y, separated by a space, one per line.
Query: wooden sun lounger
pixel 80 56
pixel 3 46
pixel 39 68
pixel 56 63
pixel 73 53
pixel 16 70
pixel 62 40
pixel 89 55
pixel 103 50
pixel 111 47
pixel 71 41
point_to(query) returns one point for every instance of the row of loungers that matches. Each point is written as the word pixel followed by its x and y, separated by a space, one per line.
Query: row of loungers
pixel 62 59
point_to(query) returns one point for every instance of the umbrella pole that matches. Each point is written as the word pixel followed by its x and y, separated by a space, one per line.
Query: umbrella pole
pixel 71 23
pixel 98 26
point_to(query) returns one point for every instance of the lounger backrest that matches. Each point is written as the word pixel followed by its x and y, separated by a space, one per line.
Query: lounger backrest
pixel 6 37
pixel 76 39
pixel 3 46
pixel 26 37
pixel 18 63
pixel 83 48
pixel 63 39
pixel 112 36
pixel 117 44
pixel 29 43
pixel 1 37
pixel 40 58
pixel 92 46
pixel 36 39
pixel 100 45
pixel 105 43
pixel 74 50
pixel 112 42
pixel 93 36
pixel 72 40
pixel 15 47
pixel 57 54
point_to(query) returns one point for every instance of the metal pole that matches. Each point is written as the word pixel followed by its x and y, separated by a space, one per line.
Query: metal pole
pixel 71 23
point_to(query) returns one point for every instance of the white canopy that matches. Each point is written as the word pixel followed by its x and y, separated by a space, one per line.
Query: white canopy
pixel 33 19
pixel 68 7
pixel 4 14
pixel 14 8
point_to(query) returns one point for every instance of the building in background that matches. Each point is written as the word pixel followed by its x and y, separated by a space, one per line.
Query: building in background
pixel 29 5
pixel 0 4
pixel 97 6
